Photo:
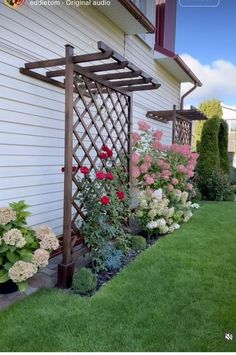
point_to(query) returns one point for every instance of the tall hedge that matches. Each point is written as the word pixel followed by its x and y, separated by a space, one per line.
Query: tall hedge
pixel 208 160
pixel 223 147
pixel 213 167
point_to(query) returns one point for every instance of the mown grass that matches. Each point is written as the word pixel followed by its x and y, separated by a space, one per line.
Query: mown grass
pixel 179 295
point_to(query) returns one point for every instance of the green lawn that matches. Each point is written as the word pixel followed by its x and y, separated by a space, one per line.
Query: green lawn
pixel 179 295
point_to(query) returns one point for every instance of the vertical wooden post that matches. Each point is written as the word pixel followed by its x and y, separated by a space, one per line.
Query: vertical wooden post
pixel 130 130
pixel 174 124
pixel 66 269
pixel 190 129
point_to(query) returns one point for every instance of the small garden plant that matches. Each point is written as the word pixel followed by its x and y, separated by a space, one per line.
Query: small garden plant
pixel 22 250
pixel 84 281
pixel 138 243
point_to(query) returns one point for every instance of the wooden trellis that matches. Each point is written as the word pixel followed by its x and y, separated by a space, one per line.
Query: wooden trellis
pixel 182 122
pixel 98 111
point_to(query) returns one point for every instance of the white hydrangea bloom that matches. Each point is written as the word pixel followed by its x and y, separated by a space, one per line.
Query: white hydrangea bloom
pixel 40 258
pixel 188 204
pixel 171 212
pixel 187 216
pixel 152 225
pixel 158 194
pixel 7 215
pixel 161 222
pixel 175 225
pixel 43 231
pixel 14 237
pixel 184 196
pixel 49 242
pixel 195 205
pixel 164 229
pixel 22 271
pixel 152 214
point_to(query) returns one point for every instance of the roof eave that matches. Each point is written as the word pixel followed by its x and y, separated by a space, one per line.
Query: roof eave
pixel 164 56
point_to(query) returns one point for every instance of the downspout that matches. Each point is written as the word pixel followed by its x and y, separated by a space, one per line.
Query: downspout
pixel 186 94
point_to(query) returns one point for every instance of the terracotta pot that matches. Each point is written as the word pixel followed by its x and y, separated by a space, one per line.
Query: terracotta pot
pixel 8 287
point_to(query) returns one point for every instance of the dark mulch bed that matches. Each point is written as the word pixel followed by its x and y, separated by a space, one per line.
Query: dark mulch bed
pixel 104 276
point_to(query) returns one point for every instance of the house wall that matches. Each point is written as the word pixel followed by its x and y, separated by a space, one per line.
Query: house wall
pixel 32 112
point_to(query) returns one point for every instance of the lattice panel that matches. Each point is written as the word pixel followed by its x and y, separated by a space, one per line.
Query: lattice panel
pixel 183 131
pixel 101 117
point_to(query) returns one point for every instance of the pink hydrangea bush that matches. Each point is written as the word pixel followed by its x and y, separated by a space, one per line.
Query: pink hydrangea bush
pixel 161 173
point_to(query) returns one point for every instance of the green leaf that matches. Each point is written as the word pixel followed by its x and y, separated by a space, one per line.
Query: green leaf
pixel 3 276
pixel 22 286
pixel 3 248
pixel 26 255
pixel 1 260
pixel 7 266
pixel 12 257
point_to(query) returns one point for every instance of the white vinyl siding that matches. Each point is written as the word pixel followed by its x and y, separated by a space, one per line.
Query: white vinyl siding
pixel 32 112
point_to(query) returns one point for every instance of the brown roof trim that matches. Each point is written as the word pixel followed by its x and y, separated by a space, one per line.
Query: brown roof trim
pixel 180 62
pixel 137 13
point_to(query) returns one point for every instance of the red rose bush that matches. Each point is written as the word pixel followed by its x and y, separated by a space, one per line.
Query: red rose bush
pixel 105 207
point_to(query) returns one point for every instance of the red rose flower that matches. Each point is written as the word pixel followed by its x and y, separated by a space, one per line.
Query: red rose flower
pixel 109 176
pixel 106 150
pixel 109 153
pixel 84 170
pixel 103 155
pixel 120 195
pixel 100 175
pixel 105 200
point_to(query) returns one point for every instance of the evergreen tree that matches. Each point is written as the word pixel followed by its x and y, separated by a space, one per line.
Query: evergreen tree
pixel 210 108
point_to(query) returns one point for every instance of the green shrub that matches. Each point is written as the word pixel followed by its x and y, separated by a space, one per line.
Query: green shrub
pixel 223 147
pixel 229 196
pixel 213 167
pixel 233 174
pixel 208 160
pixel 84 281
pixel 197 196
pixel 138 243
pixel 218 186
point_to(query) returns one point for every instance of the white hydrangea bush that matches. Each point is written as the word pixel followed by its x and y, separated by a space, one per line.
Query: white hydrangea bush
pixel 22 250
pixel 160 214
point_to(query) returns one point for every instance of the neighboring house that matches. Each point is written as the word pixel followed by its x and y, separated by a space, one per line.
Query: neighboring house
pixel 32 112
pixel 229 115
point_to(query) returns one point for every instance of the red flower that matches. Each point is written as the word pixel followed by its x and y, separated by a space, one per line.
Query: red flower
pixel 103 155
pixel 84 170
pixel 100 175
pixel 120 195
pixel 109 176
pixel 105 200
pixel 106 152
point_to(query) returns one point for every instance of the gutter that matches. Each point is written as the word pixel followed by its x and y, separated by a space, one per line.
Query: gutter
pixel 196 82
pixel 137 13
pixel 188 71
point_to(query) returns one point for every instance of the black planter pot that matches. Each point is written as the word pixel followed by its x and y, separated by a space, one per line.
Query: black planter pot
pixel 8 287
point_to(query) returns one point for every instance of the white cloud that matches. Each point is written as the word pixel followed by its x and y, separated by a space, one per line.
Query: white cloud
pixel 218 79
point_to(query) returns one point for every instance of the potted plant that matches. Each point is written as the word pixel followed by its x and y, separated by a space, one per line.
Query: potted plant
pixel 22 250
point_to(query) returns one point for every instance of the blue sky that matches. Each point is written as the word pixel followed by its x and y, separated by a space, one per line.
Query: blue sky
pixel 206 39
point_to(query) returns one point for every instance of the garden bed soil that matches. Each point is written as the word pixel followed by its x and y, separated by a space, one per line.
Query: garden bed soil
pixel 105 276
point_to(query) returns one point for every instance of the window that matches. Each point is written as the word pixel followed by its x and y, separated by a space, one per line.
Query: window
pixel 148 8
